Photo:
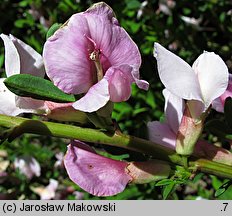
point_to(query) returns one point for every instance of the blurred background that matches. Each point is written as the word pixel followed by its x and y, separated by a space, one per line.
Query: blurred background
pixel 187 28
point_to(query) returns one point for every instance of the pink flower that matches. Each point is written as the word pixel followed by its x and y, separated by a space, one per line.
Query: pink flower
pixel 48 192
pixel 166 133
pixel 95 174
pixel 103 176
pixel 27 165
pixel 92 55
pixel 200 84
pixel 20 58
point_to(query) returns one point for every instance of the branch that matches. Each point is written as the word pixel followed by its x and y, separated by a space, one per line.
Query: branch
pixel 24 125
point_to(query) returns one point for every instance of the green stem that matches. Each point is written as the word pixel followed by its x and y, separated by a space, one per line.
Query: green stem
pixel 23 125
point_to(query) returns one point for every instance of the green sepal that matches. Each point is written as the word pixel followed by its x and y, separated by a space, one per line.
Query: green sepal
pixel 102 117
pixel 26 85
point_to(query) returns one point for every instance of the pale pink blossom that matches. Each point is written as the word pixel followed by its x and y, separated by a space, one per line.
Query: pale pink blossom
pixel 102 176
pixel 200 84
pixel 92 55
pixel 20 58
pixel 28 166
pixel 48 192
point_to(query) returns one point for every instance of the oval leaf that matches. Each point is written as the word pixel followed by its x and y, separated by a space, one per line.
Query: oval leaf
pixel 26 85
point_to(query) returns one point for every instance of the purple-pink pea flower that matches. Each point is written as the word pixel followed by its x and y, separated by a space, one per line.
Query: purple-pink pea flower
pixel 166 133
pixel 95 174
pixel 92 55
pixel 200 85
pixel 20 58
pixel 103 176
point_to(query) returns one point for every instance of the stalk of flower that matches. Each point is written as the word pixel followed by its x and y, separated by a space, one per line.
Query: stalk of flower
pixel 200 84
pixel 103 176
pixel 92 55
pixel 20 58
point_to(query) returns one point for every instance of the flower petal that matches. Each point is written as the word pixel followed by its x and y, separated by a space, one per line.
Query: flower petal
pixel 174 108
pixel 95 98
pixel 218 103
pixel 176 75
pixel 142 84
pixel 113 41
pixel 12 60
pixel 12 105
pixel 96 174
pixel 28 165
pixel 120 80
pixel 161 133
pixel 31 62
pixel 7 101
pixel 212 74
pixel 31 104
pixel 66 56
pixel 101 9
pixel 21 58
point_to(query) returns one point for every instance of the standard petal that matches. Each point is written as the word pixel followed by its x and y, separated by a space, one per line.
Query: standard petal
pixel 113 41
pixel 176 75
pixel 66 56
pixel 101 9
pixel 95 98
pixel 31 62
pixel 161 133
pixel 12 60
pixel 212 74
pixel 174 108
pixel 120 80
pixel 96 174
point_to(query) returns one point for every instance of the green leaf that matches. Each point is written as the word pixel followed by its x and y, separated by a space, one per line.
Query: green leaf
pixel 222 189
pixel 164 182
pixel 53 29
pixel 26 85
pixel 167 190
